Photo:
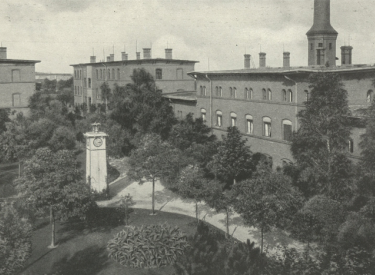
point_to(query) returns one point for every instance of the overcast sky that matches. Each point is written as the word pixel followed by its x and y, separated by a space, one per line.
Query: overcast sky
pixel 64 32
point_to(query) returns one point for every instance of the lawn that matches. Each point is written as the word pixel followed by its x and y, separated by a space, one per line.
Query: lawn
pixel 82 247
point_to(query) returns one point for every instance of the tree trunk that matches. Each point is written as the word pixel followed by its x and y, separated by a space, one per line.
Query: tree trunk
pixel 261 240
pixel 196 211
pixel 227 223
pixel 52 221
pixel 153 196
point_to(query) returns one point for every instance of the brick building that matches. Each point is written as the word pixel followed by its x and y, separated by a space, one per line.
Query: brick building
pixel 17 82
pixel 263 102
pixel 170 74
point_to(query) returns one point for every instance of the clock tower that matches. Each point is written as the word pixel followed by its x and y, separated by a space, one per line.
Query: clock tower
pixel 96 159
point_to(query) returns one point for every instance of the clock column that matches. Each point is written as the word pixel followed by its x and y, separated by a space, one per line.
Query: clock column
pixel 96 159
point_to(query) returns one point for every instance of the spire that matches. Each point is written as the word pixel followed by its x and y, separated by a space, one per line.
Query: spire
pixel 322 21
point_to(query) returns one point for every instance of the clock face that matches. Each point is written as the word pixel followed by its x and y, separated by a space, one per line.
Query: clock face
pixel 98 142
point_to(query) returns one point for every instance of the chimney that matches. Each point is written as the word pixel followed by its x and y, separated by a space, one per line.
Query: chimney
pixel 286 59
pixel 262 60
pixel 346 55
pixel 168 53
pixel 146 53
pixel 124 56
pixel 3 53
pixel 93 59
pixel 108 58
pixel 112 57
pixel 247 61
pixel 138 55
pixel 322 18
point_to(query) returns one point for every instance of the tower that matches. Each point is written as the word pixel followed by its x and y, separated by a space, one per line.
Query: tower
pixel 96 159
pixel 322 36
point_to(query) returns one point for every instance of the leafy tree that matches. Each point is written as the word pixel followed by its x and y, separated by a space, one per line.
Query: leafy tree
pixel 52 181
pixel 66 96
pixel 267 200
pixel 62 138
pixel 105 93
pixel 193 185
pixel 233 160
pixel 153 160
pixel 15 240
pixel 38 102
pixel 320 144
pixel 4 118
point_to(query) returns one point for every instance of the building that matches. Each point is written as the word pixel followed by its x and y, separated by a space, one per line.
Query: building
pixel 170 74
pixel 39 77
pixel 263 102
pixel 17 82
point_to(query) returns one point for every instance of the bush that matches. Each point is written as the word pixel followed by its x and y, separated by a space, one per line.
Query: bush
pixel 147 246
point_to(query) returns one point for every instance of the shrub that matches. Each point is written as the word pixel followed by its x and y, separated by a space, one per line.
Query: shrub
pixel 147 246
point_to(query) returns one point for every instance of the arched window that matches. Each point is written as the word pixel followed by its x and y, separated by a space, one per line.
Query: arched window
pixel 350 146
pixel 231 91
pixel 234 92
pixel 101 74
pixel 16 100
pixel 204 91
pixel 250 93
pixel 290 95
pixel 201 90
pixel 369 96
pixel 287 130
pixel 283 92
pixel 158 74
pixel 219 118
pixel 266 127
pixel 264 94
pixel 113 74
pixel 246 93
pixel 249 124
pixel 217 91
pixel 233 119
pixel 220 91
pixel 307 96
pixel 269 94
pixel 118 74
pixel 203 114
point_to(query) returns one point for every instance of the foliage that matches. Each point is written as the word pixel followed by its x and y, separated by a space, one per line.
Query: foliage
pixel 63 138
pixel 13 143
pixel 189 131
pixel 147 246
pixel 4 118
pixel 124 206
pixel 66 96
pixel 105 93
pixel 15 240
pixel 233 160
pixel 320 144
pixel 267 200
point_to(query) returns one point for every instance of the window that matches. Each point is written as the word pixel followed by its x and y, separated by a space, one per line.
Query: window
pixel 234 92
pixel 284 95
pixel 220 91
pixel 159 74
pixel 16 76
pixel 290 93
pixel 264 94
pixel 203 114
pixel 219 118
pixel 89 82
pixel 230 91
pixel 101 74
pixel 350 146
pixel 287 130
pixel 320 45
pixel 330 46
pixel 246 93
pixel 109 74
pixel 269 92
pixel 369 96
pixel 311 46
pixel 84 82
pixel 266 127
pixel 75 90
pixel 201 90
pixel 75 74
pixel 113 74
pixel 307 95
pixel 118 74
pixel 250 93
pixel 179 73
pixel 16 100
pixel 249 124
pixel 204 91
pixel 217 91
pixel 233 119
pixel 97 74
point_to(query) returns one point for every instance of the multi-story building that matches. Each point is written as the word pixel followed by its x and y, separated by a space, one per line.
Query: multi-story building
pixel 17 82
pixel 170 74
pixel 263 102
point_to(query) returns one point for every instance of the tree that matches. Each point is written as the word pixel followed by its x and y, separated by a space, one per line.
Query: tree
pixel 66 96
pixel 320 144
pixel 4 118
pixel 153 160
pixel 193 185
pixel 52 181
pixel 105 93
pixel 189 131
pixel 234 159
pixel 62 138
pixel 267 200
pixel 15 240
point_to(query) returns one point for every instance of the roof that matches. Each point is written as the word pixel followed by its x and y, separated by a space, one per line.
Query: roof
pixel 138 61
pixel 18 61
pixel 291 70
pixel 185 95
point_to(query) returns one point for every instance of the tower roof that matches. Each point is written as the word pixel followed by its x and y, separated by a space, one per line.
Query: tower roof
pixel 322 21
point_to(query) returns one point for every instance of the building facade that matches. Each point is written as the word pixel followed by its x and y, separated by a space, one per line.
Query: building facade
pixel 17 82
pixel 170 74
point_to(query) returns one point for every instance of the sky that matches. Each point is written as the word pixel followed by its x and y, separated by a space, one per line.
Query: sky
pixel 217 33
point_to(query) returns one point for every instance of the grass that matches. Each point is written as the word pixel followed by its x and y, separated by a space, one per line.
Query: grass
pixel 82 246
